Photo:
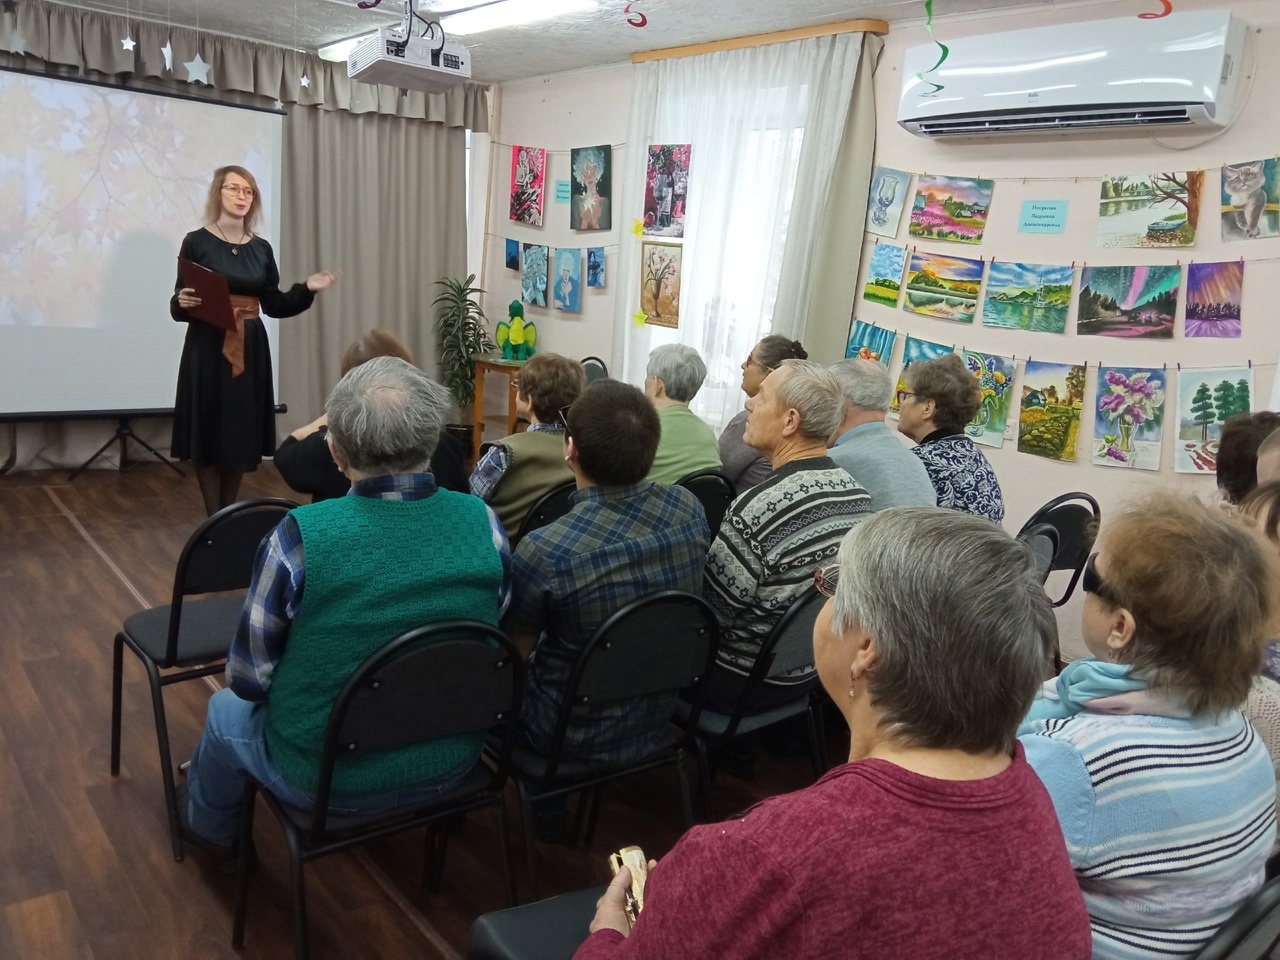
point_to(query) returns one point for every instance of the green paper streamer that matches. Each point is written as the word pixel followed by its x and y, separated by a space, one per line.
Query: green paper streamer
pixel 946 51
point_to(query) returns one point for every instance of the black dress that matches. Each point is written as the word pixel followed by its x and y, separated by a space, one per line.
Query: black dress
pixel 308 467
pixel 220 420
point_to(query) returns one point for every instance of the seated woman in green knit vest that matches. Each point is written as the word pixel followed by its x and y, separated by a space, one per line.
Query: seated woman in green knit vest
pixel 514 472
pixel 672 379
pixel 397 552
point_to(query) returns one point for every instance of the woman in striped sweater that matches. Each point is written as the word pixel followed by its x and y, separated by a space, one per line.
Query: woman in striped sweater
pixel 1165 794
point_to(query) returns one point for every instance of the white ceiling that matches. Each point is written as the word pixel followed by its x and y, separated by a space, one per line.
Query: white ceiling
pixel 568 43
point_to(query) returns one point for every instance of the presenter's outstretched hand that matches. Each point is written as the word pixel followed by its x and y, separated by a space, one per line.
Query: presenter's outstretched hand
pixel 323 280
pixel 187 298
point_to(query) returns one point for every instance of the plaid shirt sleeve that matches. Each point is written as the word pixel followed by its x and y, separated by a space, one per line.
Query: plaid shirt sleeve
pixel 275 594
pixel 485 477
pixel 503 546
pixel 526 615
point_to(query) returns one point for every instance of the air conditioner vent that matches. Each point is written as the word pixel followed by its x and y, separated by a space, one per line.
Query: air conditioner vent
pixel 1064 120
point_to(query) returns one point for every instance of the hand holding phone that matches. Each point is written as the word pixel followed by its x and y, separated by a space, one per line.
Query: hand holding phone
pixel 633 859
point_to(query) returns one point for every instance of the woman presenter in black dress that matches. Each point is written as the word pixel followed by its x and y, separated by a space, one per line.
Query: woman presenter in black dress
pixel 224 416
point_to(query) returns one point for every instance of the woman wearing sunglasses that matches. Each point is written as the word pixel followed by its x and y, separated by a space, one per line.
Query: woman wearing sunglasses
pixel 1165 794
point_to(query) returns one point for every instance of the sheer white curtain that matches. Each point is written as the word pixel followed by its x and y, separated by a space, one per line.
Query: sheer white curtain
pixel 766 125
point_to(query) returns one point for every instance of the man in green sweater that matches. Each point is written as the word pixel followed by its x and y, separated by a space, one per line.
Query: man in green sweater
pixel 673 378
pixel 397 552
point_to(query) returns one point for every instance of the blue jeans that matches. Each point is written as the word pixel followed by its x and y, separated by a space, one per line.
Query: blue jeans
pixel 234 748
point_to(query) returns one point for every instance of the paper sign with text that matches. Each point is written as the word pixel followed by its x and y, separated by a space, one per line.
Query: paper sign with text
pixel 1043 216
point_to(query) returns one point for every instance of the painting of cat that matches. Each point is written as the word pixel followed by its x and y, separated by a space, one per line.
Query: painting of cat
pixel 1250 200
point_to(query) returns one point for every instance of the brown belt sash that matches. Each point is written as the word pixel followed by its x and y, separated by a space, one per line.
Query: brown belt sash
pixel 243 308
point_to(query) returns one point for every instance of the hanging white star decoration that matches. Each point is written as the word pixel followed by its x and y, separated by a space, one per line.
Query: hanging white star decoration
pixel 197 70
pixel 128 43
pixel 18 45
pixel 167 50
pixel 305 80
pixel 278 103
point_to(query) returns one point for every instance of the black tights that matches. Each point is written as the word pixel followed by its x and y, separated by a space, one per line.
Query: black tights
pixel 219 488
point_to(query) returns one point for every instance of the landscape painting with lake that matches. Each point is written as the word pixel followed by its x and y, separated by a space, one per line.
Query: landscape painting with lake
pixel 1151 210
pixel 943 287
pixel 1129 302
pixel 1027 296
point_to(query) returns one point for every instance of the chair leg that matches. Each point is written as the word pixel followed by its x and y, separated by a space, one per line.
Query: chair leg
pixel 166 762
pixel 301 949
pixel 530 839
pixel 439 849
pixel 597 800
pixel 704 777
pixel 686 799
pixel 815 744
pixel 117 683
pixel 243 865
pixel 504 843
pixel 580 814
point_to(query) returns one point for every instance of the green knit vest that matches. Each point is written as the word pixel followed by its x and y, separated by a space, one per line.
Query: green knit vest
pixel 535 464
pixel 375 569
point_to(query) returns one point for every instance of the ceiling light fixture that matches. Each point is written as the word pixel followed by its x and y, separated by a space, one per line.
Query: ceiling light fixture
pixel 511 13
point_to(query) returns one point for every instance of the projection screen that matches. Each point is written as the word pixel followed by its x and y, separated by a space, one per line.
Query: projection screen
pixel 98 185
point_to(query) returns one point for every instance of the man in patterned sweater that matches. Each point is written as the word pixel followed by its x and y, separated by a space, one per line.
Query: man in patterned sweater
pixel 777 534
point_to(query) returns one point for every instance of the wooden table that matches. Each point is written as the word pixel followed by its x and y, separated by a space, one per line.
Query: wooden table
pixel 508 368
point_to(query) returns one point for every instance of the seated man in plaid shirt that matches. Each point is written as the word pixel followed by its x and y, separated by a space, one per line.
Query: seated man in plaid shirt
pixel 624 538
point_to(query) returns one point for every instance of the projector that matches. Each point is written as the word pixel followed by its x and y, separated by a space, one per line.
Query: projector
pixel 412 64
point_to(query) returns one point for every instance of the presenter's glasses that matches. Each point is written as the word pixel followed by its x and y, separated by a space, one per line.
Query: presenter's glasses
pixel 246 192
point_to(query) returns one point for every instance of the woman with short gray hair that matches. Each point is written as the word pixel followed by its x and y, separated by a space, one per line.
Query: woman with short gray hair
pixel 931 660
pixel 673 378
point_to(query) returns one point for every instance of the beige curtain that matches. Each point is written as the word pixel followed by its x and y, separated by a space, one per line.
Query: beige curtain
pixel 373 184
pixel 839 246
pixel 382 199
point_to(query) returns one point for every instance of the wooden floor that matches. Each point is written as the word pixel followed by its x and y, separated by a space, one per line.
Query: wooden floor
pixel 86 868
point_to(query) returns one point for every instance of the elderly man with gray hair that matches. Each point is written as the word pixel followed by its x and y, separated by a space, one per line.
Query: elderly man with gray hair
pixel 673 378
pixel 865 446
pixel 397 552
pixel 775 535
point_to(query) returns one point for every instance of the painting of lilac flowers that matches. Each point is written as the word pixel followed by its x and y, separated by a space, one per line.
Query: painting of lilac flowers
pixel 1129 418
pixel 1206 400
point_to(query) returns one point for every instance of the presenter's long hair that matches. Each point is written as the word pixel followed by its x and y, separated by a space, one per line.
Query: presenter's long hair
pixel 213 205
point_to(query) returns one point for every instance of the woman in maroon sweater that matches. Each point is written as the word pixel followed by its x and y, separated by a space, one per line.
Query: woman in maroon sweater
pixel 936 839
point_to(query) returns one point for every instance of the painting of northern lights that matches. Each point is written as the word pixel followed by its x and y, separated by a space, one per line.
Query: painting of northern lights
pixel 1129 302
pixel 1213 299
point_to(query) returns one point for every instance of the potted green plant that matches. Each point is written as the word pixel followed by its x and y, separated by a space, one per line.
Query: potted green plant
pixel 462 337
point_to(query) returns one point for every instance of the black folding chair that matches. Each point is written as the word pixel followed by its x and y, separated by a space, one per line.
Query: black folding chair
pixel 1077 525
pixel 714 490
pixel 551 929
pixel 788 648
pixel 1043 541
pixel 552 505
pixel 193 634
pixel 658 645
pixel 449 678
pixel 595 369
pixel 1252 932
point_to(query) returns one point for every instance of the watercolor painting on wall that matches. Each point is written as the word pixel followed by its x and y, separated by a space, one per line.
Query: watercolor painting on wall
pixel 1214 291
pixel 533 275
pixel 513 255
pixel 1128 419
pixel 660 283
pixel 1049 416
pixel 591 206
pixel 943 287
pixel 884 274
pixel 566 282
pixel 595 266
pixel 1130 302
pixel 1151 210
pixel 528 184
pixel 916 349
pixel 995 376
pixel 666 190
pixel 951 208
pixel 1206 400
pixel 1250 200
pixel 1027 296
pixel 869 342
pixel 887 200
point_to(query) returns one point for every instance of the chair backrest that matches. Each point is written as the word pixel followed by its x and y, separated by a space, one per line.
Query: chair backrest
pixel 1076 517
pixel 552 505
pixel 663 643
pixel 448 678
pixel 714 491
pixel 1043 541
pixel 219 555
pixel 1252 931
pixel 595 369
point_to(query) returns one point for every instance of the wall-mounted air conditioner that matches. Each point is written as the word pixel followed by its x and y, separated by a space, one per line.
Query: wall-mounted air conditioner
pixel 1176 72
